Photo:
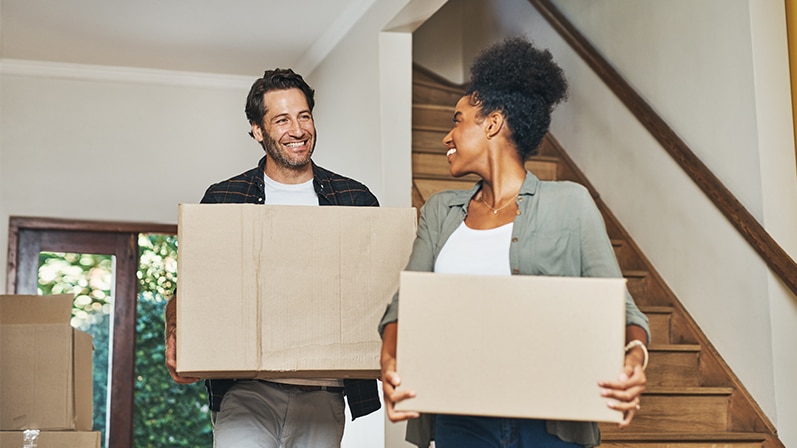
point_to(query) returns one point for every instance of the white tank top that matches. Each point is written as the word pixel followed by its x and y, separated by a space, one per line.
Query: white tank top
pixel 477 252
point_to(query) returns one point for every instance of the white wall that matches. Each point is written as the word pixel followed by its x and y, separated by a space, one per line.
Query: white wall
pixel 116 149
pixel 716 71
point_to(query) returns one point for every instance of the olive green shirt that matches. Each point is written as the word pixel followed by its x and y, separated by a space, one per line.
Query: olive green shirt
pixel 559 232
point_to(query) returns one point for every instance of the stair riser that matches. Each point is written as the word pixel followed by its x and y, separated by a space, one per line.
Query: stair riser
pixel 679 413
pixel 659 327
pixel 428 141
pixel 423 94
pixel 673 369
pixel 442 118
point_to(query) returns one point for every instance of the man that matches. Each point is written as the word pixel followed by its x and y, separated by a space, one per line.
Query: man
pixel 287 412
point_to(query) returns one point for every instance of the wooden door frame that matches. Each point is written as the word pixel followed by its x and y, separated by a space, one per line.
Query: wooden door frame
pixel 28 236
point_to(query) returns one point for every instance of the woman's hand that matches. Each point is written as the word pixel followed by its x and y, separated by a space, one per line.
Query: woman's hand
pixel 391 379
pixel 625 391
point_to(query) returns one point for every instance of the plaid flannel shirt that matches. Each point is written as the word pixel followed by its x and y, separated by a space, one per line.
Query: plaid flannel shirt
pixel 332 189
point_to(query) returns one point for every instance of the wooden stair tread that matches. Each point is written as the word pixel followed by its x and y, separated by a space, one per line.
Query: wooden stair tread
pixel 674 347
pixel 424 127
pixel 431 106
pixel 425 83
pixel 655 309
pixel 691 390
pixel 684 437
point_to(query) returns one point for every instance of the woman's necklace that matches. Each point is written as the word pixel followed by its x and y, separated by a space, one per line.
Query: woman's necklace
pixel 495 210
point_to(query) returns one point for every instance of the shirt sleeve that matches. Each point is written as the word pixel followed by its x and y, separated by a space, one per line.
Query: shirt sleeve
pixel 421 258
pixel 598 258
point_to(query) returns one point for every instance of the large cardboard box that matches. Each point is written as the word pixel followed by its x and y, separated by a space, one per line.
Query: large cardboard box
pixel 270 291
pixel 51 439
pixel 46 369
pixel 511 346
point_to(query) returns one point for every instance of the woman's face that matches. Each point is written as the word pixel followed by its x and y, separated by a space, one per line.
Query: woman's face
pixel 465 141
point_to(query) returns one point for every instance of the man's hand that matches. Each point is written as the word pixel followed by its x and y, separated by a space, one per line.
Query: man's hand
pixel 171 343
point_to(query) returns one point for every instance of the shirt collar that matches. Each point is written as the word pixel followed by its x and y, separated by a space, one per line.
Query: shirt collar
pixel 319 177
pixel 463 197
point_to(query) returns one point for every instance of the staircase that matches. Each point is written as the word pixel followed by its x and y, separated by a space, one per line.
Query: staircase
pixel 693 400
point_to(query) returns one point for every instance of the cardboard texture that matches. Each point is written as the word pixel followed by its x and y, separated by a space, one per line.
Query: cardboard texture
pixel 52 439
pixel 269 291
pixel 46 369
pixel 510 346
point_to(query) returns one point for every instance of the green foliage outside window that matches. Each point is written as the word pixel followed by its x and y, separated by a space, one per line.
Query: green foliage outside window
pixel 166 414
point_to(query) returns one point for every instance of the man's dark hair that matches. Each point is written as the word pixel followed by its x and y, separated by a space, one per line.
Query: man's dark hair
pixel 523 83
pixel 277 79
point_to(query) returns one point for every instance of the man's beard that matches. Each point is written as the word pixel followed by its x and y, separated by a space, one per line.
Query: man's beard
pixel 283 158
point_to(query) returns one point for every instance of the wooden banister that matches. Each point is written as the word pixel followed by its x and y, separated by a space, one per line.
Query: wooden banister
pixel 745 223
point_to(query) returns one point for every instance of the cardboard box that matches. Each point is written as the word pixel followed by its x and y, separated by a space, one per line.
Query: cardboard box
pixel 271 291
pixel 510 346
pixel 46 370
pixel 52 439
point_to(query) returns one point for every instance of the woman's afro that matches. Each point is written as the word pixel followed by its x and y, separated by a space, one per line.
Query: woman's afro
pixel 523 83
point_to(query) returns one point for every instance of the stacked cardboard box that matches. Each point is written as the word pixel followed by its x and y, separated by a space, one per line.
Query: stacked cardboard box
pixel 45 374
pixel 272 291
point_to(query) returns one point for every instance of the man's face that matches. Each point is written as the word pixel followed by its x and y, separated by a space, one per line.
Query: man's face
pixel 288 131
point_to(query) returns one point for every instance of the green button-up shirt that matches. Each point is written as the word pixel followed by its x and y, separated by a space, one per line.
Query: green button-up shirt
pixel 558 232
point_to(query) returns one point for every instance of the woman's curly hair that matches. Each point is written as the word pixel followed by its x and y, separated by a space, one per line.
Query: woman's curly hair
pixel 523 83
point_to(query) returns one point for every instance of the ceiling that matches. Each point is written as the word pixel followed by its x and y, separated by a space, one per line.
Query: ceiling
pixel 236 37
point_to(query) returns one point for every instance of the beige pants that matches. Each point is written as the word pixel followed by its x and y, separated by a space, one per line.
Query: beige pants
pixel 257 414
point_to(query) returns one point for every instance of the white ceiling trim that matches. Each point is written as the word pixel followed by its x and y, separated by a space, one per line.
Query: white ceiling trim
pixel 85 72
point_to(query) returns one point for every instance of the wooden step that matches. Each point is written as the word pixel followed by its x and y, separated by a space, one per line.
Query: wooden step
pixel 660 322
pixel 643 288
pixel 674 365
pixel 680 410
pixel 683 440
pixel 429 139
pixel 433 115
pixel 435 166
pixel 627 258
pixel 426 92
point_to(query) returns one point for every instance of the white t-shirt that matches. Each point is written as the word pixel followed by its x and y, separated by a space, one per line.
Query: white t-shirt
pixel 476 252
pixel 290 194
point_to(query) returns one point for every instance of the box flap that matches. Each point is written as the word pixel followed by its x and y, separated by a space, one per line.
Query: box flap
pixel 33 309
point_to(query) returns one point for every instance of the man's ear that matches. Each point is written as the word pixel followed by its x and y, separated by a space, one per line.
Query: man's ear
pixel 257 132
pixel 495 121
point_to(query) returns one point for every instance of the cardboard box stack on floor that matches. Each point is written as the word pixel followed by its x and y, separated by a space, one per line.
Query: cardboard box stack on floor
pixel 268 291
pixel 45 374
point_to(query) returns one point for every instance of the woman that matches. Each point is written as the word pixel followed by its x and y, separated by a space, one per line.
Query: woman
pixel 498 124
